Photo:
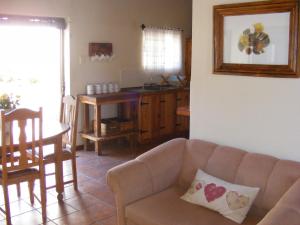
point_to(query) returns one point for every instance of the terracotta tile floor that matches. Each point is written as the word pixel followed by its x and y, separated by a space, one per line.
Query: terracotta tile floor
pixel 92 204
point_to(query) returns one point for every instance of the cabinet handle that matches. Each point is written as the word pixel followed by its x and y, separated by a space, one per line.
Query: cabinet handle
pixel 162 128
pixel 143 131
pixel 162 101
pixel 144 103
pixel 178 99
pixel 178 124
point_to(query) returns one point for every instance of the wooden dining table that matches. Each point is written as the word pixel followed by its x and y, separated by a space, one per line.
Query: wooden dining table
pixel 53 132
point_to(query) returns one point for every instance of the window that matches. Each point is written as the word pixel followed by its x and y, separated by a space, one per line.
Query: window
pixel 30 62
pixel 162 50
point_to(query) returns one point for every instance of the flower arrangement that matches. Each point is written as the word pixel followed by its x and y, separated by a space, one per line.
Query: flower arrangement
pixel 8 102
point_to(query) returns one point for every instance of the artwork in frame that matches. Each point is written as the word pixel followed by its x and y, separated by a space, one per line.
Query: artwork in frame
pixel 257 39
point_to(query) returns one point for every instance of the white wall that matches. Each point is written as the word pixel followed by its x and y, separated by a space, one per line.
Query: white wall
pixel 116 21
pixel 256 114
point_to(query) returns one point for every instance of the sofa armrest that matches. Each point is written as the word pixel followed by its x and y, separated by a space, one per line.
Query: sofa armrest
pixel 287 210
pixel 149 173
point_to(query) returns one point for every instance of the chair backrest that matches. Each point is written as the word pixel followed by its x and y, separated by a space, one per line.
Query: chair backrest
pixel 21 131
pixel 69 115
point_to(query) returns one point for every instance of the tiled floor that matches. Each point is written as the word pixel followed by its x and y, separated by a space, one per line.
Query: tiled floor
pixel 92 204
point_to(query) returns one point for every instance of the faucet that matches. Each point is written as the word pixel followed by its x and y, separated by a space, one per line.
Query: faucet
pixel 165 80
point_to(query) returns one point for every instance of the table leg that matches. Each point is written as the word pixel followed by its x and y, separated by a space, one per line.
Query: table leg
pixel 86 124
pixel 97 128
pixel 98 147
pixel 59 168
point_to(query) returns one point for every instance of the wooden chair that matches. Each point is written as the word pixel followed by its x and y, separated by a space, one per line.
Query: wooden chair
pixel 17 185
pixel 17 166
pixel 68 115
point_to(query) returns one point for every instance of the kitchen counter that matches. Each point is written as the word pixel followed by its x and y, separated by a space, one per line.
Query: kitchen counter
pixel 116 97
pixel 126 93
pixel 153 90
pixel 152 110
pixel 94 133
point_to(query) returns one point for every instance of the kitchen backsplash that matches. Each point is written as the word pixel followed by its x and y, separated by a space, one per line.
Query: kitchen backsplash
pixel 137 78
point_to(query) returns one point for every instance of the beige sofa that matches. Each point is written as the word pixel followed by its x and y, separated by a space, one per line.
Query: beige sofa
pixel 148 189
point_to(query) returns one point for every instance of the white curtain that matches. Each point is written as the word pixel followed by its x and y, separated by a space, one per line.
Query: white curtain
pixel 162 50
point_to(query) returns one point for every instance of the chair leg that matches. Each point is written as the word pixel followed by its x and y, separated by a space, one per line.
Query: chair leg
pixel 74 172
pixel 31 188
pixel 43 194
pixel 7 207
pixel 18 190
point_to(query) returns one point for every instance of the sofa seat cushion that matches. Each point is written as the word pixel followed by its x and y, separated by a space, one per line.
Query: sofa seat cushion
pixel 166 208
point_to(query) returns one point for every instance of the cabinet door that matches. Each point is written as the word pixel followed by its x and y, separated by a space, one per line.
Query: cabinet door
pixel 167 114
pixel 188 57
pixel 149 117
pixel 182 122
pixel 155 126
pixel 145 118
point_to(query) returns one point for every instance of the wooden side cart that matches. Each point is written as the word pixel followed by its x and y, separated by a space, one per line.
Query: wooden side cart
pixel 127 104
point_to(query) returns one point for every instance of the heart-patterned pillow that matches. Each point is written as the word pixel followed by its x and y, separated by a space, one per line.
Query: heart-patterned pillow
pixel 231 200
pixel 236 201
pixel 197 185
pixel 213 192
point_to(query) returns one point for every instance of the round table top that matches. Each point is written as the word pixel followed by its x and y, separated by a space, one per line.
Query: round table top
pixel 51 129
pixel 54 129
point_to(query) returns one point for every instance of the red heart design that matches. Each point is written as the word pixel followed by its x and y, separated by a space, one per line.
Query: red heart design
pixel 212 192
pixel 198 186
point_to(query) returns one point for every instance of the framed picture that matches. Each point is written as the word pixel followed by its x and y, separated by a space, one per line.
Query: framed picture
pixel 257 39
pixel 100 49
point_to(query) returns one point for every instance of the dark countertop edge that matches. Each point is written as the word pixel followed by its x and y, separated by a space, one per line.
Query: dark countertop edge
pixel 149 91
pixel 130 91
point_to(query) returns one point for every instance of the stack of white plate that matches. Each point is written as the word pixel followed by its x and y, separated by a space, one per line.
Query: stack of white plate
pixel 90 89
pixel 102 88
pixel 98 88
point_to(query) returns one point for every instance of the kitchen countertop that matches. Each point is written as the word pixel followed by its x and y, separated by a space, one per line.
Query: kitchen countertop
pixel 152 90
pixel 127 94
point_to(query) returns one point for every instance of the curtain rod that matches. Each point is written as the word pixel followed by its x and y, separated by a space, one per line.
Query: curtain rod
pixel 143 26
pixel 32 20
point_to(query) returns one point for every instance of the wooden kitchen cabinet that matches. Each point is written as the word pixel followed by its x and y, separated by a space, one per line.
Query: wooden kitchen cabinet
pixel 188 58
pixel 145 118
pixel 157 115
pixel 149 117
pixel 182 122
pixel 167 114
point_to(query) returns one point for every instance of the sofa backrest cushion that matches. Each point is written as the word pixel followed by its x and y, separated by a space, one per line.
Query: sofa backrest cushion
pixel 273 176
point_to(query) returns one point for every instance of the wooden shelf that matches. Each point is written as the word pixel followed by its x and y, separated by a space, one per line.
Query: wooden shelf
pixel 109 98
pixel 123 99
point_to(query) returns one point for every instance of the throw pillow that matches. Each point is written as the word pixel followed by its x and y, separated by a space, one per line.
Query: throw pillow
pixel 231 200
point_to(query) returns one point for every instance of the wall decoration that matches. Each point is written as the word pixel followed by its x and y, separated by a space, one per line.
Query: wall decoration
pixel 257 39
pixel 101 51
pixel 254 42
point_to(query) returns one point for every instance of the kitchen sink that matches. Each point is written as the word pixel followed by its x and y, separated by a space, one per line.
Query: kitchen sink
pixel 152 88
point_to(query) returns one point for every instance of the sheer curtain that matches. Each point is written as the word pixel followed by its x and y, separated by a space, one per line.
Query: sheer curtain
pixel 162 50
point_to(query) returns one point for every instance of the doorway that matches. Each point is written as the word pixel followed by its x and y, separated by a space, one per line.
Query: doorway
pixel 30 66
